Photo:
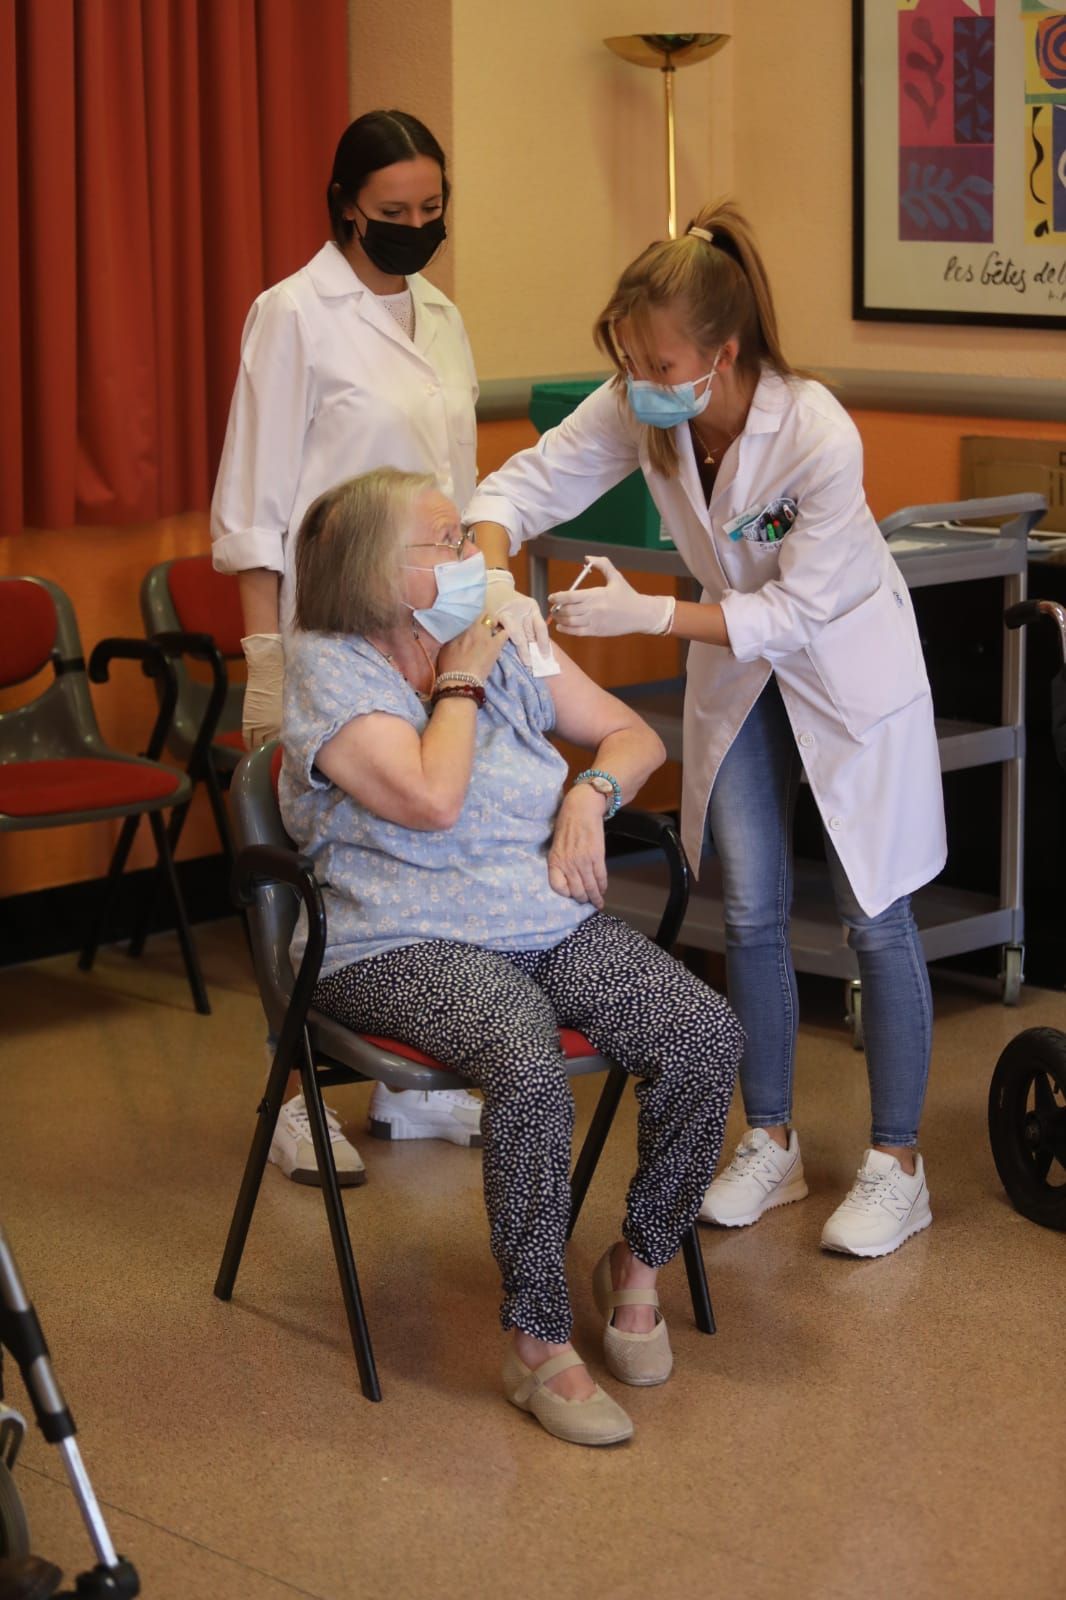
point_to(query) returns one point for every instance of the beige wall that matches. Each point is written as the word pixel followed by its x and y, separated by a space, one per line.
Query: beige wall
pixel 400 53
pixel 557 152
pixel 792 172
pixel 560 156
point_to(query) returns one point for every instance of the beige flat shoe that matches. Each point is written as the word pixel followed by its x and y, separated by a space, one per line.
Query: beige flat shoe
pixel 598 1420
pixel 641 1359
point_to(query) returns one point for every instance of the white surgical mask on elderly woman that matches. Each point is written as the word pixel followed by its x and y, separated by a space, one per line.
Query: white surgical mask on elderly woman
pixel 460 598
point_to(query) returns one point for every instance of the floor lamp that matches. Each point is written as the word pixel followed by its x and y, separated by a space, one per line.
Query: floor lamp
pixel 667 52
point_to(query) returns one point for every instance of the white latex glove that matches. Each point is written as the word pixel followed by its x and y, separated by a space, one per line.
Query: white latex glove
pixel 612 608
pixel 262 695
pixel 519 614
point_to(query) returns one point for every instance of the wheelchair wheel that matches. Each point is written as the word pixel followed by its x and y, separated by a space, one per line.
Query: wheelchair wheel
pixel 14 1532
pixel 1027 1124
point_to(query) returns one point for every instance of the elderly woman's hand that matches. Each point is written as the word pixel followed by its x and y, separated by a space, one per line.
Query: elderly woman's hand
pixel 477 650
pixel 577 861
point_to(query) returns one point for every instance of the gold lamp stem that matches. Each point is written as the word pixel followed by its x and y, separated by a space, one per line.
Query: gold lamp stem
pixel 671 152
pixel 667 52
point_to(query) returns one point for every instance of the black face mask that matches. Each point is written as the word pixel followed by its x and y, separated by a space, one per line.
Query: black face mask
pixel 397 249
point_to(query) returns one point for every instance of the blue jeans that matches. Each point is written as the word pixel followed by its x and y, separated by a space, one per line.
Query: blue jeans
pixel 750 822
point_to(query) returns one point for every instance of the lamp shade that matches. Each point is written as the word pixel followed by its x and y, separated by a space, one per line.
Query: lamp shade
pixel 666 50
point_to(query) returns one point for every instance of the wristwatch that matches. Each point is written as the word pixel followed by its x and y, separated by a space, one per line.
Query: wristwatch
pixel 604 784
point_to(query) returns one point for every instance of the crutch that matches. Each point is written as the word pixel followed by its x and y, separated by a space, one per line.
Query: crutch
pixel 25 1575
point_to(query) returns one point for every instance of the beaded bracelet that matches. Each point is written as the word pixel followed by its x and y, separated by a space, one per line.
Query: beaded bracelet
pixel 461 677
pixel 460 691
pixel 616 787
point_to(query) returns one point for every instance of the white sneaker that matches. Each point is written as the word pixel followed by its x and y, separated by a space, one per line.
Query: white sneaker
pixel 291 1148
pixel 760 1176
pixel 885 1206
pixel 450 1114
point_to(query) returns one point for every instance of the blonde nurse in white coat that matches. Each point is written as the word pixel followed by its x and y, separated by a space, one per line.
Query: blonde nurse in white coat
pixel 804 658
pixel 354 362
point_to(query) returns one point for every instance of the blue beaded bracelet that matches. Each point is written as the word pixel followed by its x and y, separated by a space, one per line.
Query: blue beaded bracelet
pixel 616 800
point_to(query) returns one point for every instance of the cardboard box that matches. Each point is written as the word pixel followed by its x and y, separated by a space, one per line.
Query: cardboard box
pixel 1018 466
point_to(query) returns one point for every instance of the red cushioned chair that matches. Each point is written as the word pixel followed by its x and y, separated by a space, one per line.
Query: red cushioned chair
pixel 192 610
pixel 55 768
pixel 324 1051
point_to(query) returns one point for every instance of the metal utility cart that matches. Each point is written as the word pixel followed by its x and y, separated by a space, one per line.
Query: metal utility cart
pixel 937 544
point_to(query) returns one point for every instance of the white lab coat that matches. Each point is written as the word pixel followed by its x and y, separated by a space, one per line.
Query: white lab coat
pixel 330 386
pixel 826 609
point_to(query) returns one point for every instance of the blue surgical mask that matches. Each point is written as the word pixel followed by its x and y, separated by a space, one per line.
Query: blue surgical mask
pixel 660 405
pixel 460 598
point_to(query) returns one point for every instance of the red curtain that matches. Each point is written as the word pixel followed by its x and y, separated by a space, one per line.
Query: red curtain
pixel 161 161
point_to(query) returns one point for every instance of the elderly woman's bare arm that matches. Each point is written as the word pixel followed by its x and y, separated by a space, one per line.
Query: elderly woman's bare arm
pixel 623 745
pixel 418 780
pixel 620 741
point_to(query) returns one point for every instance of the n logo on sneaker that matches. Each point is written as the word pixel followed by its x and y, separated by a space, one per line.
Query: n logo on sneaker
pixel 769 1178
pixel 896 1204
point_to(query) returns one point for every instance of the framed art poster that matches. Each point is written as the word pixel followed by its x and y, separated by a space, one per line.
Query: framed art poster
pixel 960 161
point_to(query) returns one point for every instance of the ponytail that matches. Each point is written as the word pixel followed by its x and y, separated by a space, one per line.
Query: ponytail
pixel 714 278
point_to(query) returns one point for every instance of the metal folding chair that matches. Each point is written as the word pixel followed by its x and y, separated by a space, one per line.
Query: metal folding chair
pixel 273 881
pixel 192 610
pixel 55 768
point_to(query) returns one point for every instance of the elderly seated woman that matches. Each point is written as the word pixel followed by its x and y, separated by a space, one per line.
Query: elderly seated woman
pixel 463 884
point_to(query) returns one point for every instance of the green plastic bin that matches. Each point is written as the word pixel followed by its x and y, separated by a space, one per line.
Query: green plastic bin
pixel 626 514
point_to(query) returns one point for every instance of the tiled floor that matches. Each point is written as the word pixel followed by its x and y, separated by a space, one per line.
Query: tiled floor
pixel 856 1428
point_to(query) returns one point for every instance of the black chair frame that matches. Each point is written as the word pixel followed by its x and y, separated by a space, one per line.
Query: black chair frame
pixel 199 767
pixel 260 866
pixel 155 664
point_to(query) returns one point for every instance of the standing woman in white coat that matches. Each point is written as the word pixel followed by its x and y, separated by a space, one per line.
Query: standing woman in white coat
pixel 354 362
pixel 804 658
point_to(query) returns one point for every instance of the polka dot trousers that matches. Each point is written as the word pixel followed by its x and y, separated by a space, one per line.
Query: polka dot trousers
pixel 494 1018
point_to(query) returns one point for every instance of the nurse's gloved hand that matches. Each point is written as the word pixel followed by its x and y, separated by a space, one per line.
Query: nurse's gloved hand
pixel 261 717
pixel 519 614
pixel 612 608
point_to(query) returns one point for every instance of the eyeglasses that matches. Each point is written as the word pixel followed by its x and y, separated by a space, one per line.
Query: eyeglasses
pixel 456 546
